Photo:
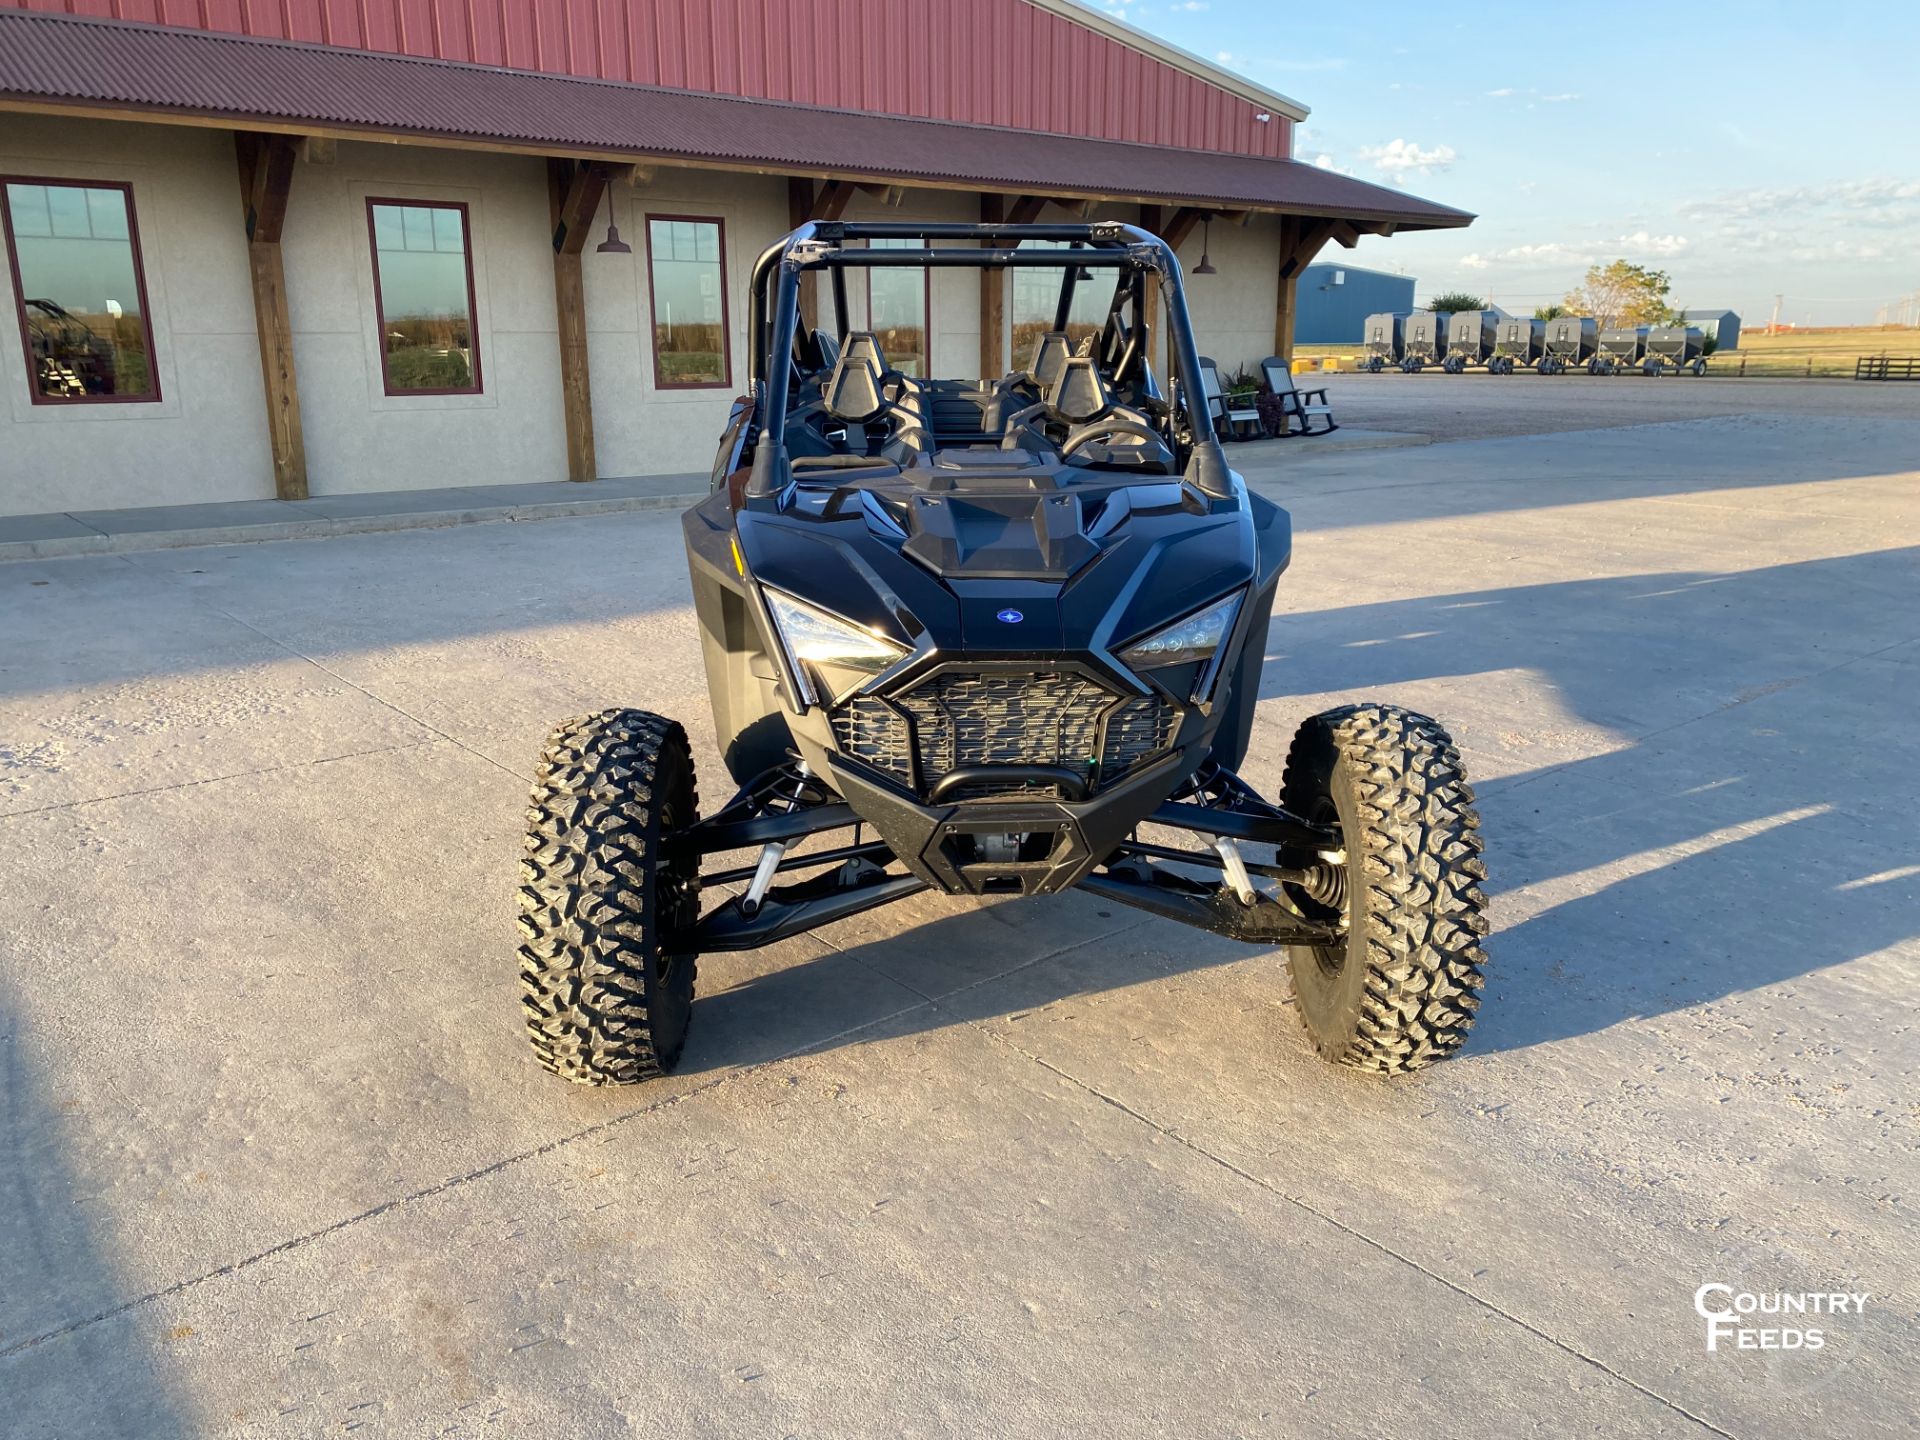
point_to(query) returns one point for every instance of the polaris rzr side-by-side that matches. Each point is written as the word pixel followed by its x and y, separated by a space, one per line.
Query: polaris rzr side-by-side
pixel 992 637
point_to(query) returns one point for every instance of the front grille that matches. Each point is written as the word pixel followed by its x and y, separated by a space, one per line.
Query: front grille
pixel 958 719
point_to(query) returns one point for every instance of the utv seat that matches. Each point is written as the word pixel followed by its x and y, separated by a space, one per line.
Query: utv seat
pixel 1080 392
pixel 1050 355
pixel 852 391
pixel 1023 388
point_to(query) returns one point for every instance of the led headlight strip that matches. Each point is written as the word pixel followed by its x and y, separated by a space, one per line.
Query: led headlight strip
pixel 814 637
pixel 1195 638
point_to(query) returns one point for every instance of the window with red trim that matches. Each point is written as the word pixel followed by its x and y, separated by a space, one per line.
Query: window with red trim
pixel 74 248
pixel 423 295
pixel 687 261
pixel 898 305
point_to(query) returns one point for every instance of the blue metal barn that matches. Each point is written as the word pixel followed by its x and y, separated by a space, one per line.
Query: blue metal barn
pixel 1335 300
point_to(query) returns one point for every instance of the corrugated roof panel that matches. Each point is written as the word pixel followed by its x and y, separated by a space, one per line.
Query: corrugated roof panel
pixel 144 68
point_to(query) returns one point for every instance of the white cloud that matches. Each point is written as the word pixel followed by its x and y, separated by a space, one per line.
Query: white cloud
pixel 1856 197
pixel 1502 93
pixel 1402 157
pixel 1641 243
pixel 1560 99
pixel 1324 161
pixel 1561 254
pixel 1192 5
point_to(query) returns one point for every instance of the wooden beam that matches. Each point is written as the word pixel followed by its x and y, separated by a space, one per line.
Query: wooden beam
pixel 831 203
pixel 888 195
pixel 1026 209
pixel 799 211
pixel 632 175
pixel 993 299
pixel 1150 222
pixel 805 204
pixel 1300 240
pixel 580 187
pixel 266 179
pixel 1180 226
pixel 573 195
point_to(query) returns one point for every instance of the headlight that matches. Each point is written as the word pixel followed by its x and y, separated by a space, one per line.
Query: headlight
pixel 815 640
pixel 1195 639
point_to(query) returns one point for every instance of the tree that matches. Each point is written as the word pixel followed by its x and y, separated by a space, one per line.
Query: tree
pixel 1621 293
pixel 1548 312
pixel 1455 301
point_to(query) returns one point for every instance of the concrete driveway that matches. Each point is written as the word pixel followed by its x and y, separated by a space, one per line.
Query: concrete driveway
pixel 275 1161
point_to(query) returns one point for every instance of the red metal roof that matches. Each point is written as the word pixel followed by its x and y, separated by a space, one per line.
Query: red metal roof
pixel 983 62
pixel 142 68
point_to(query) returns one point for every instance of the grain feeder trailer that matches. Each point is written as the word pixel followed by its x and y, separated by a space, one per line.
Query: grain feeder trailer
pixel 1621 349
pixel 1424 341
pixel 1679 348
pixel 1385 339
pixel 1470 339
pixel 1518 343
pixel 1571 340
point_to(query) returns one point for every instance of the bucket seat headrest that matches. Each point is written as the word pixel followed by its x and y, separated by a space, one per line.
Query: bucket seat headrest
pixel 853 390
pixel 1080 394
pixel 1049 354
pixel 864 345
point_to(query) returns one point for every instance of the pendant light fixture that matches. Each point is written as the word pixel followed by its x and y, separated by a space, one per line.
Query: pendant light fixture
pixel 1205 267
pixel 613 244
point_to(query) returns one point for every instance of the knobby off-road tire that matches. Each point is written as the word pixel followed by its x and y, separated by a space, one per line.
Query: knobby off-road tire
pixel 1401 993
pixel 604 1004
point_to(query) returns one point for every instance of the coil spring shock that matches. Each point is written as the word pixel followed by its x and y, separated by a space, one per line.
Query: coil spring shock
pixel 1327 885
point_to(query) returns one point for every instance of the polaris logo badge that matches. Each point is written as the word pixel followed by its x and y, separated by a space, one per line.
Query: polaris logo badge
pixel 1009 617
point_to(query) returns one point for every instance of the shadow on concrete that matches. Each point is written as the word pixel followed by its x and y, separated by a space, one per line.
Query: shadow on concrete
pixel 56 1268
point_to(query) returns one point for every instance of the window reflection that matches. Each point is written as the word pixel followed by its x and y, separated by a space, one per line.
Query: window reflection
pixel 82 299
pixel 423 280
pixel 897 311
pixel 1036 298
pixel 687 261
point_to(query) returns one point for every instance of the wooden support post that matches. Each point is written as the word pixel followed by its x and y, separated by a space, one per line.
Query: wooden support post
pixel 804 204
pixel 799 211
pixel 574 191
pixel 266 179
pixel 1300 240
pixel 1150 222
pixel 993 299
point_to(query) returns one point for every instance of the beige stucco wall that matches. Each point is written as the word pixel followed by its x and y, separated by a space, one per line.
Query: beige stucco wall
pixel 207 439
pixel 1233 310
pixel 638 430
pixel 360 438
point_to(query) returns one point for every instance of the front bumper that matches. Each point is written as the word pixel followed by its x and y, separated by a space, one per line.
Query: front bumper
pixel 963 850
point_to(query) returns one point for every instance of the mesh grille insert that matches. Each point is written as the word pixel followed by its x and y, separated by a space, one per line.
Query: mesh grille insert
pixel 1048 718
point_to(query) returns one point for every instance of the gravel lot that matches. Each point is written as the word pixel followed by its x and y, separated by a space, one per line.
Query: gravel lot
pixel 275 1160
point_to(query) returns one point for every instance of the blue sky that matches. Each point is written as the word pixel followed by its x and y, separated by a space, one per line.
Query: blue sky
pixel 1747 149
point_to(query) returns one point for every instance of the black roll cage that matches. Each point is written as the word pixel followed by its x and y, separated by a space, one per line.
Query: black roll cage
pixel 1103 245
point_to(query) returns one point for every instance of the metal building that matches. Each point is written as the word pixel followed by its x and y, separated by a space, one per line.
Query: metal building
pixel 1335 301
pixel 484 244
pixel 1722 327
